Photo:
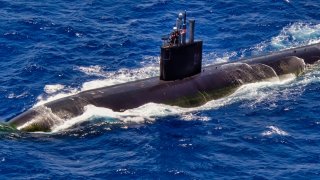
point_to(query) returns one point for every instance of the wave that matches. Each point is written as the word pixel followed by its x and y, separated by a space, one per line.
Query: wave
pixel 297 34
pixel 150 112
pixel 91 70
pixel 57 91
pixel 293 35
pixel 17 96
pixel 273 130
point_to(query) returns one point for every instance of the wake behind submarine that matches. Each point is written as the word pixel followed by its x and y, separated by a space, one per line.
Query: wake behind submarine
pixel 182 82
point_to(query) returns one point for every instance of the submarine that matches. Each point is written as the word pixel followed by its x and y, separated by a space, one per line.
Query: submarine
pixel 182 81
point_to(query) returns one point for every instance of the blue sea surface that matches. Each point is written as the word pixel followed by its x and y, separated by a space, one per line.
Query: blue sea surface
pixel 51 49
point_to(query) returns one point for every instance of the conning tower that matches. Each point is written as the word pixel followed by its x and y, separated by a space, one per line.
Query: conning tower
pixel 180 59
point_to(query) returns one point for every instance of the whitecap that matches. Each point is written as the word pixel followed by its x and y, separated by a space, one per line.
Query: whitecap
pixel 17 96
pixel 273 130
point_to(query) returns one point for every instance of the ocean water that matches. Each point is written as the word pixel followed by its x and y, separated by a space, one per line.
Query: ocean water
pixel 51 49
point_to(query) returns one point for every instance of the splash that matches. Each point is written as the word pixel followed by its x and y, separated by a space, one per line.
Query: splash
pixel 42 122
pixel 147 112
pixel 214 58
pixel 57 91
pixel 122 76
pixel 50 89
pixel 297 34
pixel 56 94
pixel 151 111
pixel 91 70
pixel 293 35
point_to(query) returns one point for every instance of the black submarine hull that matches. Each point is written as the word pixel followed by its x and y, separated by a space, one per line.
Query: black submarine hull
pixel 213 82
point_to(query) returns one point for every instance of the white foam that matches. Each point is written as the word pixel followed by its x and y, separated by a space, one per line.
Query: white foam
pixel 311 75
pixel 91 70
pixel 149 112
pixel 17 96
pixel 137 115
pixel 150 69
pixel 297 34
pixel 122 76
pixel 42 99
pixel 193 116
pixel 294 35
pixel 213 58
pixel 256 93
pixel 50 89
pixel 273 130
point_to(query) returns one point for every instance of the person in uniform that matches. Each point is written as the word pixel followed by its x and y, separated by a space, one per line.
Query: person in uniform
pixel 174 37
